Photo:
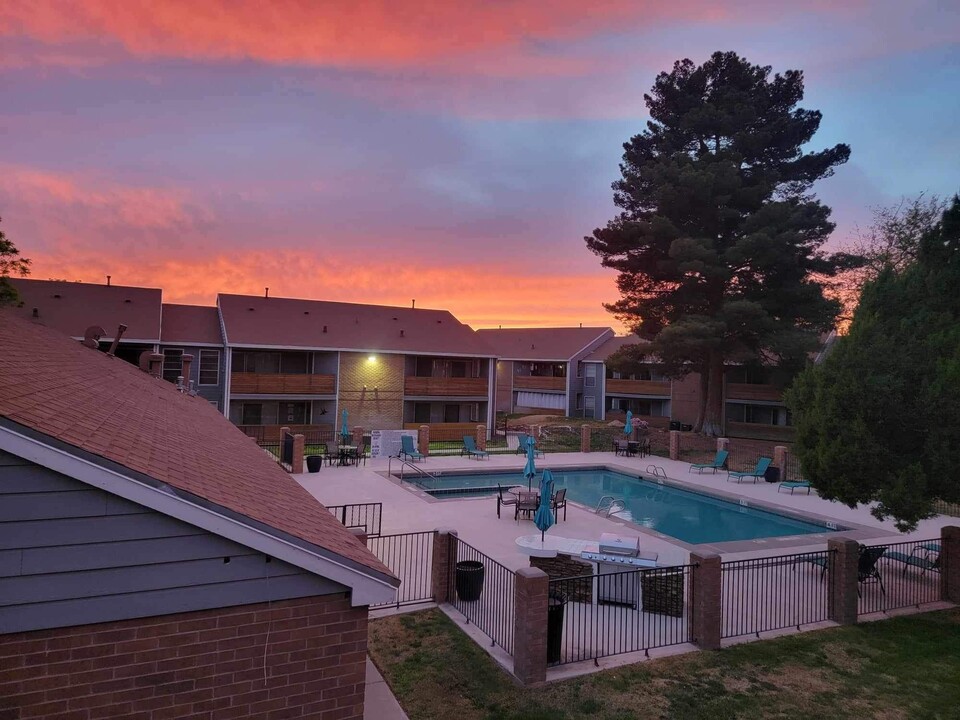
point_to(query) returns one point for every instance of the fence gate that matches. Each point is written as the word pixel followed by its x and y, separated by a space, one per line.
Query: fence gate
pixel 410 557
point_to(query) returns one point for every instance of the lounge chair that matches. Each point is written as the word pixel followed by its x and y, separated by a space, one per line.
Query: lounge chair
pixel 471 450
pixel 795 485
pixel 867 570
pixel 719 463
pixel 920 561
pixel 508 499
pixel 522 449
pixel 559 500
pixel 757 473
pixel 407 450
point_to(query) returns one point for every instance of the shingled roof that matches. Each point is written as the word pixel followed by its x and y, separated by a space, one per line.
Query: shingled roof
pixel 76 397
pixel 321 325
pixel 557 344
pixel 190 325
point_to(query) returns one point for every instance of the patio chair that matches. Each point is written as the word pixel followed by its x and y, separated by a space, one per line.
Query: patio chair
pixel 522 448
pixel 621 447
pixel 795 485
pixel 867 570
pixel 719 463
pixel 757 473
pixel 559 500
pixel 360 454
pixel 407 450
pixel 508 499
pixel 527 503
pixel 471 450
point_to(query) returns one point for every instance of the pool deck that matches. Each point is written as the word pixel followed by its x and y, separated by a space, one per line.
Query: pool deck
pixel 407 509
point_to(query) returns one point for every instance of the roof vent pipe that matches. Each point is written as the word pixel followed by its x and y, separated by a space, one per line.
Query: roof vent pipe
pixel 266 292
pixel 186 361
pixel 116 341
pixel 324 328
pixel 401 333
pixel 36 312
pixel 413 303
pixel 108 281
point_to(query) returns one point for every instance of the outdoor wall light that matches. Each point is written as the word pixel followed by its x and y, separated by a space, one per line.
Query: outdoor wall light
pixel 372 359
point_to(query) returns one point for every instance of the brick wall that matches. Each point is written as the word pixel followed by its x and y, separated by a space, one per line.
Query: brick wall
pixel 207 664
pixel 379 405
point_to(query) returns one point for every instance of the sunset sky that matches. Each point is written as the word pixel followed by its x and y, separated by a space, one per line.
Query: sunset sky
pixel 455 152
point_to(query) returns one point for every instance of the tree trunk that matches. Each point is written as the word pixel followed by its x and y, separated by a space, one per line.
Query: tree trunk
pixel 702 405
pixel 713 397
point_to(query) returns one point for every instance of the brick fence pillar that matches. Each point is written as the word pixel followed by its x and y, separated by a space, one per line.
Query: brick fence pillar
pixel 481 437
pixel 443 557
pixel 706 600
pixel 358 436
pixel 780 453
pixel 950 563
pixel 423 440
pixel 842 576
pixel 585 438
pixel 674 444
pixel 723 444
pixel 299 449
pixel 530 625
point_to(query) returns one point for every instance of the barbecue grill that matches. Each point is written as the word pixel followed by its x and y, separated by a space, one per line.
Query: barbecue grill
pixel 617 554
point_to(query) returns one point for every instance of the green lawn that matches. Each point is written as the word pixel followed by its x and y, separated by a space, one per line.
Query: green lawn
pixel 908 667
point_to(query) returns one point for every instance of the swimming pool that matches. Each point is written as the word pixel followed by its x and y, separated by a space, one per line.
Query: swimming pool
pixel 692 517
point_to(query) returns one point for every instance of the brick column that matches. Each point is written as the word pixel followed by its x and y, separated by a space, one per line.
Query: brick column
pixel 585 438
pixel 299 448
pixel 358 436
pixel 842 580
pixel 481 437
pixel 950 563
pixel 723 444
pixel 780 460
pixel 706 600
pixel 443 559
pixel 423 440
pixel 674 444
pixel 530 625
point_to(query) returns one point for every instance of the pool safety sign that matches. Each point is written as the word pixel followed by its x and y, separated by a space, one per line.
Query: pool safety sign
pixel 386 443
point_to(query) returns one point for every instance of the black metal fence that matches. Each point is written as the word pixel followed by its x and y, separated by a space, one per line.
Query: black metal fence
pixel 359 515
pixel 772 593
pixel 559 438
pixel 898 575
pixel 492 608
pixel 595 616
pixel 410 557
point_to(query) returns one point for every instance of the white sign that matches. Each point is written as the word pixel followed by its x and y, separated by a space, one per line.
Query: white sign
pixel 386 443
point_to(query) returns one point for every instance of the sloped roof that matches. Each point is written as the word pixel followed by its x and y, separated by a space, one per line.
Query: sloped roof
pixel 111 409
pixel 557 344
pixel 190 324
pixel 612 345
pixel 292 323
pixel 72 307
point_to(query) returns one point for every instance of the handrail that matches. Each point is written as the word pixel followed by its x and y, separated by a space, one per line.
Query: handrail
pixel 613 505
pixel 656 471
pixel 407 463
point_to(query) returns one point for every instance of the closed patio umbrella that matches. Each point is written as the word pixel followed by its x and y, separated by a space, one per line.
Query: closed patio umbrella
pixel 628 426
pixel 344 430
pixel 530 469
pixel 544 517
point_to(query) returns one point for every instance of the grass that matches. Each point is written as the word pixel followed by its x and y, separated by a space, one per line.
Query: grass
pixel 907 667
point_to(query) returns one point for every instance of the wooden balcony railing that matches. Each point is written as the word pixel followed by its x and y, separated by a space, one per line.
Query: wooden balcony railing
pixel 752 391
pixel 660 388
pixel 760 431
pixel 449 387
pixel 533 382
pixel 281 384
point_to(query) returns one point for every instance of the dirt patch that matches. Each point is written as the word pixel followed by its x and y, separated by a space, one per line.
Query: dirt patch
pixel 840 657
pixel 800 680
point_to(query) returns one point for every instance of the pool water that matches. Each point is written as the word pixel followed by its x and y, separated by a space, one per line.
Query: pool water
pixel 692 517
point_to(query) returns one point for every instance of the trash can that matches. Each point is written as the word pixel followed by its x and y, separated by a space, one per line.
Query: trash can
pixel 686 428
pixel 469 580
pixel 314 462
pixel 674 424
pixel 772 474
pixel 555 604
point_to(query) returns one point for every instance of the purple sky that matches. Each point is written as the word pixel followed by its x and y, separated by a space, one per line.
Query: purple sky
pixel 455 153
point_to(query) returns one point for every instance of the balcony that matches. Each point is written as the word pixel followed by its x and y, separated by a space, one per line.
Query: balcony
pixel 282 384
pixel 534 382
pixel 444 387
pixel 658 388
pixel 754 392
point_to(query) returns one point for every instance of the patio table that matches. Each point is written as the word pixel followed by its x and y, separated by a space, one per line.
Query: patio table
pixel 346 452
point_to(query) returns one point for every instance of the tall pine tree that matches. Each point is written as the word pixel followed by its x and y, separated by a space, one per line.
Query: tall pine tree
pixel 718 242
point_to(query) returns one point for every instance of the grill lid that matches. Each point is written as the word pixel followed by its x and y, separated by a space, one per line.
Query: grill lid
pixel 612 544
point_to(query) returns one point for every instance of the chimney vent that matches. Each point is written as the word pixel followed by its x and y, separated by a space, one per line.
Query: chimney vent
pixel 401 333
pixel 36 312
pixel 413 303
pixel 56 295
pixel 266 292
pixel 91 338
pixel 121 329
pixel 324 328
pixel 186 361
pixel 108 281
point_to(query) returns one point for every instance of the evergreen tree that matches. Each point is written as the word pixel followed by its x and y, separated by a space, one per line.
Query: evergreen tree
pixel 718 240
pixel 10 264
pixel 879 420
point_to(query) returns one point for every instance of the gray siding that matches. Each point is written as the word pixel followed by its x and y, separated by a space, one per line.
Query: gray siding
pixel 71 554
pixel 210 393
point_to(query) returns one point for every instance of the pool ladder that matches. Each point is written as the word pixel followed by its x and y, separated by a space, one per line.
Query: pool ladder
pixel 407 464
pixel 610 505
pixel 656 471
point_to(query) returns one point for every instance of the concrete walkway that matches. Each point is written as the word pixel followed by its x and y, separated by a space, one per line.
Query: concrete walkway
pixel 379 702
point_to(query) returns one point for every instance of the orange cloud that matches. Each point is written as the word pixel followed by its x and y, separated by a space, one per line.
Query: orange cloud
pixel 485 296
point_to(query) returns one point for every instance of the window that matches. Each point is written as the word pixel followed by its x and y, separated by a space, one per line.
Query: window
pixel 172 364
pixel 451 413
pixel 424 368
pixel 251 414
pixel 458 369
pixel 421 412
pixel 579 401
pixel 474 412
pixel 590 375
pixel 295 363
pixel 209 367
pixel 294 413
pixel 589 406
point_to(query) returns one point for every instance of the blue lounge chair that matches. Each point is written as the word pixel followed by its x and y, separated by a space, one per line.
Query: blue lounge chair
pixel 795 485
pixel 925 562
pixel 719 463
pixel 471 450
pixel 407 450
pixel 757 473
pixel 522 447
pixel 867 571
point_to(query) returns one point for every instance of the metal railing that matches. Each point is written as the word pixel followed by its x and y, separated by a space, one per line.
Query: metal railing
pixel 408 464
pixel 559 438
pixel 622 612
pixel 410 557
pixel 359 515
pixel 493 611
pixel 906 574
pixel 772 593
